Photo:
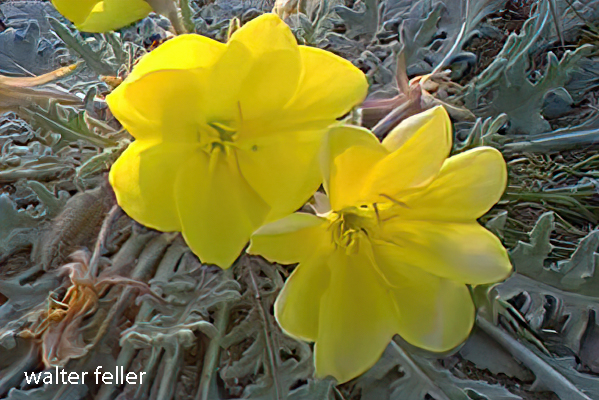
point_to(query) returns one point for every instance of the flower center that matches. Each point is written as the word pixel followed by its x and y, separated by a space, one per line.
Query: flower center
pixel 219 136
pixel 348 225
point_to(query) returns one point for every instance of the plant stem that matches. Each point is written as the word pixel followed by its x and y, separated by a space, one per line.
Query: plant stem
pixel 169 9
pixel 272 361
pixel 187 14
pixel 212 353
pixel 406 360
pixel 544 373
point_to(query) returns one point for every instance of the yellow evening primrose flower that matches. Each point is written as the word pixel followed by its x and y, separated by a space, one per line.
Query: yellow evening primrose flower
pixel 397 249
pixel 227 135
pixel 102 15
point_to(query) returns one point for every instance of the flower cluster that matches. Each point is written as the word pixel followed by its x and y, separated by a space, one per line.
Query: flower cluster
pixel 231 139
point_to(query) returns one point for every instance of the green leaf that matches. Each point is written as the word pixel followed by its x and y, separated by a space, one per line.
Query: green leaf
pixel 12 222
pixel 505 84
pixel 421 377
pixel 576 274
pixel 529 258
pixel 361 23
pixel 550 373
pixel 314 390
pixel 72 125
pixel 94 58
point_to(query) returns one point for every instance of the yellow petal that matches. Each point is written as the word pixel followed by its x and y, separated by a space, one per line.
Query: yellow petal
pixel 287 240
pixel 434 118
pixel 282 168
pixel 424 142
pixel 349 155
pixel 437 316
pixel 258 73
pixel 143 181
pixel 297 308
pixel 110 15
pixel 467 186
pixel 433 313
pixel 357 318
pixel 182 52
pixel 161 106
pixel 464 252
pixel 265 34
pixel 329 87
pixel 218 209
pixel 75 11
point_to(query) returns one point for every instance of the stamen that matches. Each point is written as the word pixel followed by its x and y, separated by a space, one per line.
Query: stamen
pixel 399 203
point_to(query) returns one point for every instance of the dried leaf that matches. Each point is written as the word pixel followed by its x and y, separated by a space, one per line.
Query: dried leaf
pixel 18 92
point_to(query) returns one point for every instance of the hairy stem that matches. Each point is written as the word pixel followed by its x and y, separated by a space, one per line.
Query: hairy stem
pixel 272 360
pixel 213 352
pixel 552 379
pixel 169 9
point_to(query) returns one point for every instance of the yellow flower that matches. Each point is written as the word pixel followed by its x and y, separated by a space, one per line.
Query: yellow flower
pixel 227 136
pixel 397 250
pixel 102 15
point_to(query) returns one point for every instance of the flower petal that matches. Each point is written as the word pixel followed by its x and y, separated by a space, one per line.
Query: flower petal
pixel 297 307
pixel 182 52
pixel 433 313
pixel 142 179
pixel 283 169
pixel 463 252
pixel 75 11
pixel 265 34
pixel 258 73
pixel 467 186
pixel 110 15
pixel 218 209
pixel 329 87
pixel 414 125
pixel 357 318
pixel 420 145
pixel 285 241
pixel 348 156
pixel 161 106
pixel 437 317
